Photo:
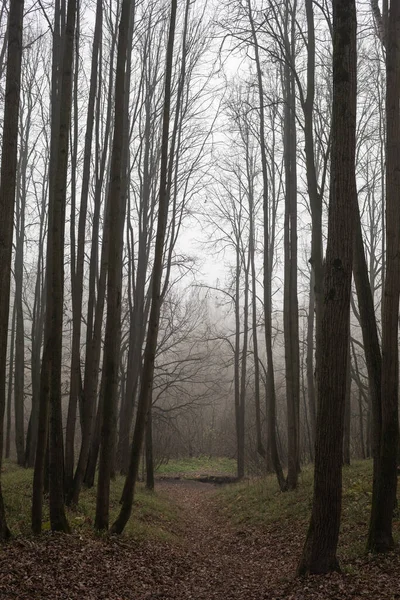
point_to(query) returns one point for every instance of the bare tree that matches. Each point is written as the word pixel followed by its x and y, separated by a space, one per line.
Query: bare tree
pixel 152 333
pixel 8 175
pixel 385 475
pixel 116 215
pixel 52 352
pixel 319 554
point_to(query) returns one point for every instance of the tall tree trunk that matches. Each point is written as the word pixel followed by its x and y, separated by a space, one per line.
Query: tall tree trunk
pixel 347 413
pixel 243 370
pixel 87 404
pixel 319 554
pixel 310 363
pixel 95 309
pixel 236 363
pixel 55 281
pixel 95 440
pixel 36 337
pixel 152 332
pixel 116 202
pixel 41 458
pixel 10 384
pixel 385 472
pixel 19 369
pixel 7 201
pixel 371 348
pixel 138 320
pixel 290 303
pixel 76 289
pixel 260 445
pixel 361 397
pixel 314 194
pixel 52 353
pixel 149 452
pixel 270 384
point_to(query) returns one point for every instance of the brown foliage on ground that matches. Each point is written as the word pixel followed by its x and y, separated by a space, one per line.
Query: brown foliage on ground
pixel 213 560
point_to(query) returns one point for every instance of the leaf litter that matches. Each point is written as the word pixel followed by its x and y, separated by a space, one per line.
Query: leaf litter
pixel 212 560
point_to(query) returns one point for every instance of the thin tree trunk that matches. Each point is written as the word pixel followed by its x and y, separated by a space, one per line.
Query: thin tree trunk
pixel 149 452
pixel 39 475
pixel 260 446
pixel 152 332
pixel 240 454
pixel 19 369
pixel 7 201
pixel 76 289
pixel 270 384
pixel 36 337
pixel 116 202
pixel 290 308
pixel 310 363
pixel 87 403
pixel 243 371
pixel 10 384
pixel 347 414
pixel 95 440
pixel 96 309
pixel 315 196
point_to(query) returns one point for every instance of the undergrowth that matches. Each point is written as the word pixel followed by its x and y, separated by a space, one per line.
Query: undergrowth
pixel 259 503
pixel 201 465
pixel 153 515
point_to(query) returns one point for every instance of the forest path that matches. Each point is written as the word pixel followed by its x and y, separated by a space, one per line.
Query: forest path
pixel 211 560
pixel 222 562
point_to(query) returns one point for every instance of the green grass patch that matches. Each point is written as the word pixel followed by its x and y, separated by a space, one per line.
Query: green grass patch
pixel 202 465
pixel 259 503
pixel 153 514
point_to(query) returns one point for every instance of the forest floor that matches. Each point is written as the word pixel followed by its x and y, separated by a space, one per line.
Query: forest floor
pixel 212 553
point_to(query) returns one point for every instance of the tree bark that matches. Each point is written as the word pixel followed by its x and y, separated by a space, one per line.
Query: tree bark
pixel 270 383
pixel 149 452
pixel 117 203
pixel 19 368
pixel 385 477
pixel 290 302
pixel 319 554
pixel 10 385
pixel 7 202
pixel 55 281
pixel 152 332
pixel 310 363
pixel 347 413
pixel 87 403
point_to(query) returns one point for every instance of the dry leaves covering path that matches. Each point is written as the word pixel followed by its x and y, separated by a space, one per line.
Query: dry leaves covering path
pixel 213 561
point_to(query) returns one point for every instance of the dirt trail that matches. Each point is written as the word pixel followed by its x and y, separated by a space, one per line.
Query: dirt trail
pixel 213 561
pixel 222 562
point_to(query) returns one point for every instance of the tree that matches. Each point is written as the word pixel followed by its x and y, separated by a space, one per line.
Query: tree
pixel 8 175
pixel 319 554
pixel 77 278
pixel 152 332
pixel 267 268
pixel 385 472
pixel 116 215
pixel 52 350
pixel 290 304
